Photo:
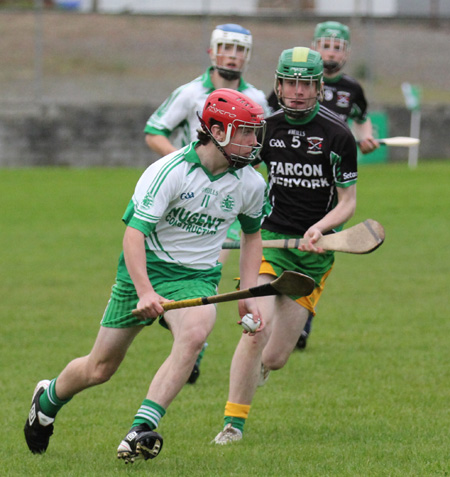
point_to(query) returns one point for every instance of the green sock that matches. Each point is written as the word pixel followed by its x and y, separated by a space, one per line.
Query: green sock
pixel 236 422
pixel 49 401
pixel 149 413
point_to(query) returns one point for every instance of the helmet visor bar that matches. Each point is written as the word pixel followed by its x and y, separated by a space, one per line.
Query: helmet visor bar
pixel 246 143
pixel 297 95
pixel 331 43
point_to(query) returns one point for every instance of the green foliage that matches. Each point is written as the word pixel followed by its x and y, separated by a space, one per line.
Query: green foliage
pixel 369 395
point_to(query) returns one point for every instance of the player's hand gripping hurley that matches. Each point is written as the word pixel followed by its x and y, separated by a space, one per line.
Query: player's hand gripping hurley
pixel 288 283
pixel 364 237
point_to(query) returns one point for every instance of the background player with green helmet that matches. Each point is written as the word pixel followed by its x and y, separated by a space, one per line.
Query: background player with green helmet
pixel 342 93
pixel 311 158
pixel 174 123
pixel 176 222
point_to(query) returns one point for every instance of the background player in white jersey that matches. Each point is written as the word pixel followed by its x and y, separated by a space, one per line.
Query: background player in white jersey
pixel 176 223
pixel 310 154
pixel 174 123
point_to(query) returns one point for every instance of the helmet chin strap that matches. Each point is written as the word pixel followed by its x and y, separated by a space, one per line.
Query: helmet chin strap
pixel 228 75
pixel 331 66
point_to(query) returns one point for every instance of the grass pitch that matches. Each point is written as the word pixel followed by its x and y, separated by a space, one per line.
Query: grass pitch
pixel 368 397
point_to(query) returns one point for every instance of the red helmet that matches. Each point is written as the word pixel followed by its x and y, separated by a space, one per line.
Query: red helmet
pixel 234 110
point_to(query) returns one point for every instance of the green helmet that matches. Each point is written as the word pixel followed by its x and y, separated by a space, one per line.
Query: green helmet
pixel 300 64
pixel 332 36
pixel 332 30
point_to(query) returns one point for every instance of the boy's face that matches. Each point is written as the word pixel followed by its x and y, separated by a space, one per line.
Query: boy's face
pixel 231 56
pixel 298 94
pixel 334 51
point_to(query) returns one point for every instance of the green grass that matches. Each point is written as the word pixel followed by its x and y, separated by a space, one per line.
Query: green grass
pixel 368 397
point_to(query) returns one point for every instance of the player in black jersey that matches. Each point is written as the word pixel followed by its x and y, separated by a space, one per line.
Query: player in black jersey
pixel 342 94
pixel 310 154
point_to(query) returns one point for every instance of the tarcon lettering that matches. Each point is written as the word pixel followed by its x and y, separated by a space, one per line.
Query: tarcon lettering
pixel 309 176
pixel 290 169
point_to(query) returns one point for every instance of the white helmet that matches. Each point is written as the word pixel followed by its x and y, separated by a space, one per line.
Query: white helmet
pixel 231 34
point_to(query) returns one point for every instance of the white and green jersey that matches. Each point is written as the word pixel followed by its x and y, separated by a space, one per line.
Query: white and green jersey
pixel 177 116
pixel 184 211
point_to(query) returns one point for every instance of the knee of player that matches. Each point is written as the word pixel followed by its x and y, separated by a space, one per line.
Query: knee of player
pixel 101 373
pixel 275 360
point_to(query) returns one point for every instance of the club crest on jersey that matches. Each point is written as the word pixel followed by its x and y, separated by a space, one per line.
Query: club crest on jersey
pixel 343 99
pixel 148 200
pixel 227 204
pixel 314 145
pixel 328 95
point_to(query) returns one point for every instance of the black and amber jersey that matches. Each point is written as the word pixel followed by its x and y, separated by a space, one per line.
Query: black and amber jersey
pixel 345 96
pixel 306 162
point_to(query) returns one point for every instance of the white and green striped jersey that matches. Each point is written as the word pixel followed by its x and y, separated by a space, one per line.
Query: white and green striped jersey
pixel 184 211
pixel 177 116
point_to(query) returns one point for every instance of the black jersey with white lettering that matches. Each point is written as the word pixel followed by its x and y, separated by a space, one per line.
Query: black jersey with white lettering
pixel 345 96
pixel 305 164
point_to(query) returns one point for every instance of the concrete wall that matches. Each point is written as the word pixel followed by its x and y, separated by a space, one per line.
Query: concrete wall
pixel 105 135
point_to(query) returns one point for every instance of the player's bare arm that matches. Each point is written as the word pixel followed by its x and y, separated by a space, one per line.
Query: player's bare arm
pixel 149 304
pixel 159 144
pixel 364 134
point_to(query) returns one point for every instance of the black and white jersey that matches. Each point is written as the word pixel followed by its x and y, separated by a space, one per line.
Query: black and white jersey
pixel 305 164
pixel 345 96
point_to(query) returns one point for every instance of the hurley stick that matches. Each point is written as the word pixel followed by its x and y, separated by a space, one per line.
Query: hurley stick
pixel 364 237
pixel 288 283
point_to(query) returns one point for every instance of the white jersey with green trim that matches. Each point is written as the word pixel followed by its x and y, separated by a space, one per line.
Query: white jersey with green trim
pixel 184 211
pixel 177 116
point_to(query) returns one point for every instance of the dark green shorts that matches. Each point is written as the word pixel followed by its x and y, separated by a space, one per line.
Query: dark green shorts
pixel 123 300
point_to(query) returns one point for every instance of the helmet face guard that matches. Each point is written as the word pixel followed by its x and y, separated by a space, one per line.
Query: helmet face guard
pixel 243 123
pixel 230 41
pixel 332 36
pixel 299 65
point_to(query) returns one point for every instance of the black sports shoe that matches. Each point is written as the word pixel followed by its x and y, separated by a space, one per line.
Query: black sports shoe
pixel 140 443
pixel 301 343
pixel 38 427
pixel 195 373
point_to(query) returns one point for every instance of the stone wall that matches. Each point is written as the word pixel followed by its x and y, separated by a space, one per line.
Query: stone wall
pixel 107 135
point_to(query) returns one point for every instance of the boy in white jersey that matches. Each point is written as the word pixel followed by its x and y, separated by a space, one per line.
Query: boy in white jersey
pixel 174 123
pixel 176 223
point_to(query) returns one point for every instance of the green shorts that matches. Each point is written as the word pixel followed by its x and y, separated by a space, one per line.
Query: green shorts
pixel 123 300
pixel 317 266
